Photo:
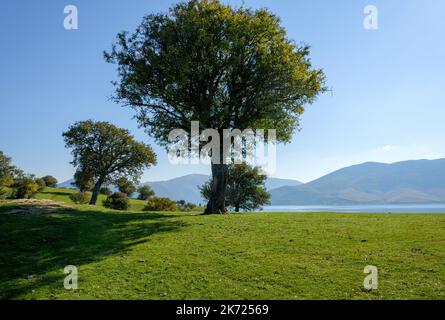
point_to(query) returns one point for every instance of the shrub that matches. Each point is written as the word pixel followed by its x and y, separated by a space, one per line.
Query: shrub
pixel 125 186
pixel 41 183
pixel 160 204
pixel 24 188
pixel 106 191
pixel 117 201
pixel 145 192
pixel 80 197
pixel 186 206
pixel 50 181
pixel 5 193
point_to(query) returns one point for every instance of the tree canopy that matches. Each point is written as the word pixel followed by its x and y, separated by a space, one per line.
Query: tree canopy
pixel 145 192
pixel 106 153
pixel 83 180
pixel 50 181
pixel 6 170
pixel 125 186
pixel 224 67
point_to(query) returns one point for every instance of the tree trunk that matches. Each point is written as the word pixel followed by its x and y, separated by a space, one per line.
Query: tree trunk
pixel 217 202
pixel 237 208
pixel 96 191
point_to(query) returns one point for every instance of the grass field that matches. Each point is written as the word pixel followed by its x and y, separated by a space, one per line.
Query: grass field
pixel 138 255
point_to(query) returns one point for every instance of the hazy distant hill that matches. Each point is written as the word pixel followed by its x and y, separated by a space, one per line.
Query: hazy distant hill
pixel 416 181
pixel 181 188
pixel 187 187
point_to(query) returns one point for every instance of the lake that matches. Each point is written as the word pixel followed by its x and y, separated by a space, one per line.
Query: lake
pixel 404 208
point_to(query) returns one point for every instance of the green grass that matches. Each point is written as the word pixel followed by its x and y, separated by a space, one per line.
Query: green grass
pixel 136 255
pixel 63 195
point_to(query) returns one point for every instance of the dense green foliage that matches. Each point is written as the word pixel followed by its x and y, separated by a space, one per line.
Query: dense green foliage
pixel 81 197
pixel 117 201
pixel 226 68
pixel 14 183
pixel 160 204
pixel 246 188
pixel 24 187
pixel 63 195
pixel 145 192
pixel 136 255
pixel 125 186
pixel 41 183
pixel 83 180
pixel 50 181
pixel 106 191
pixel 105 153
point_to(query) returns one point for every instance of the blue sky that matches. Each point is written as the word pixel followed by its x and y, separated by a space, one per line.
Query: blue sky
pixel 387 99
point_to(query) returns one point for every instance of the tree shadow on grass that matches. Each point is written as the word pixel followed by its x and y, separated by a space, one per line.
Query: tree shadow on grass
pixel 31 246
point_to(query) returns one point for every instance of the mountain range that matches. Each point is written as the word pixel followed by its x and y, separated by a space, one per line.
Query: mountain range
pixel 407 182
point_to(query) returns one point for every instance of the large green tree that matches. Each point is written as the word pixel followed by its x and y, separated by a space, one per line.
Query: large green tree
pixel 246 188
pixel 106 153
pixel 224 67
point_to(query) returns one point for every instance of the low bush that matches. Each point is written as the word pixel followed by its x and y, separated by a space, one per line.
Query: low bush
pixel 80 197
pixel 24 188
pixel 117 201
pixel 160 204
pixel 5 193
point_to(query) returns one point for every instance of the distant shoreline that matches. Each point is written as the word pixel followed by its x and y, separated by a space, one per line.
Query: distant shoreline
pixel 399 209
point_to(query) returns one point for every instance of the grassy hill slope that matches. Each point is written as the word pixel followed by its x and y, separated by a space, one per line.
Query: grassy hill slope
pixel 135 255
pixel 63 195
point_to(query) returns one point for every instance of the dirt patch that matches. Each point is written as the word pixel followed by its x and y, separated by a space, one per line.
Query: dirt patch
pixel 36 207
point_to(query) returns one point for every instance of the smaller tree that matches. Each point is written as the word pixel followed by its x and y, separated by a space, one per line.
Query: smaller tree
pixel 107 153
pixel 125 186
pixel 50 181
pixel 245 188
pixel 106 191
pixel 145 192
pixel 6 171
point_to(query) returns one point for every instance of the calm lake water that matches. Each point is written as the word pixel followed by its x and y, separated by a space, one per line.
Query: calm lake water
pixel 408 208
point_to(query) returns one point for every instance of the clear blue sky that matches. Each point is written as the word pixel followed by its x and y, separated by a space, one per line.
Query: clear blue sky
pixel 387 100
